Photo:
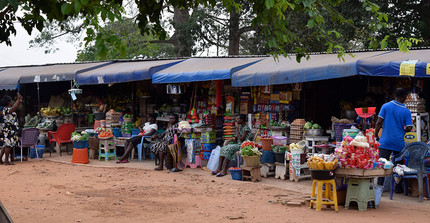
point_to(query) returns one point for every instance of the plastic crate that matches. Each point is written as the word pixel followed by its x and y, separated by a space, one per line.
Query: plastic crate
pixel 82 144
pixel 236 174
pixel 208 146
pixel 206 155
pixel 338 128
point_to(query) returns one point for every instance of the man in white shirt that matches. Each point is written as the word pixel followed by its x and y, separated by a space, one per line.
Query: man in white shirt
pixel 148 129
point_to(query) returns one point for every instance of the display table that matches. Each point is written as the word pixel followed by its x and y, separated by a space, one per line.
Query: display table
pixel 360 185
pixel 314 139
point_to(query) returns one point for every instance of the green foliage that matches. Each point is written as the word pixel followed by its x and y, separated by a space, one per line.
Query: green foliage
pixel 298 26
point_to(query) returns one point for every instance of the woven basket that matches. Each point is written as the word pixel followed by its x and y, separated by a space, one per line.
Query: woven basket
pixel 251 161
pixel 266 143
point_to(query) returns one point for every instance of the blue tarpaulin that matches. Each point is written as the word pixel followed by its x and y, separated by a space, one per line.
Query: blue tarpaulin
pixel 287 70
pixel 124 71
pixel 9 77
pixel 388 64
pixel 328 66
pixel 203 69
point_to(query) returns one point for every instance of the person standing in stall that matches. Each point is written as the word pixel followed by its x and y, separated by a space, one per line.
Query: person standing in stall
pixel 228 152
pixel 160 142
pixel 395 120
pixel 9 133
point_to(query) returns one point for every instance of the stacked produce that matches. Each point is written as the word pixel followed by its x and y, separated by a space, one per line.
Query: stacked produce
pixel 65 110
pixel 229 126
pixel 249 148
pixel 45 125
pixel 359 153
pixel 48 111
pixel 296 130
pixel 105 134
pixel 322 162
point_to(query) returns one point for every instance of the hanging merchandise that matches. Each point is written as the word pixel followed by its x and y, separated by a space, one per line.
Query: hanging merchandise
pixel 193 117
pixel 174 89
pixel 75 90
pixel 229 126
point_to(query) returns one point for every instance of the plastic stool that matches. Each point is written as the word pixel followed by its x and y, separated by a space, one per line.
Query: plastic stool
pixel 107 149
pixel 197 162
pixel 361 191
pixel 80 156
pixel 330 194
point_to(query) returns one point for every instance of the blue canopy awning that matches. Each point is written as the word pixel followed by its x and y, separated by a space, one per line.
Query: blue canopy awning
pixel 124 71
pixel 203 69
pixel 9 77
pixel 287 70
pixel 388 64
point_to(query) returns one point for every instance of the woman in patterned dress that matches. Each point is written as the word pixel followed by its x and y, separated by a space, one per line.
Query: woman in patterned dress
pixel 160 142
pixel 228 152
pixel 9 133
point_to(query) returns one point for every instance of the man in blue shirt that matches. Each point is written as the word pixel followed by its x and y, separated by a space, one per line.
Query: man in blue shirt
pixel 395 119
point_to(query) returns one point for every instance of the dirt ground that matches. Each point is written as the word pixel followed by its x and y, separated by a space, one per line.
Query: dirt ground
pixel 56 190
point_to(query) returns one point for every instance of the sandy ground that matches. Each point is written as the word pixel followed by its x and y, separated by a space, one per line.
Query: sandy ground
pixel 55 190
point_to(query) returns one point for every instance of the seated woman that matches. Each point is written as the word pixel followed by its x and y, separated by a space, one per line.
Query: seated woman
pixel 149 129
pixel 161 142
pixel 228 152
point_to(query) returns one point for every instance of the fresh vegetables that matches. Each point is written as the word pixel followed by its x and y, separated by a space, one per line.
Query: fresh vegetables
pixel 311 125
pixel 322 162
pixel 48 111
pixel 45 125
pixel 106 134
pixel 31 121
pixel 249 143
pixel 250 150
pixel 279 149
pixel 79 136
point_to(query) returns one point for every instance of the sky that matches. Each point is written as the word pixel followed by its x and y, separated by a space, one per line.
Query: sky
pixel 20 53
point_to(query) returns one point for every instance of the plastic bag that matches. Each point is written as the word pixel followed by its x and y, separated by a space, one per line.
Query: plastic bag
pixel 214 159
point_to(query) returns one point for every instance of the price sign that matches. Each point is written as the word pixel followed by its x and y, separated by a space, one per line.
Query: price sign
pixel 407 68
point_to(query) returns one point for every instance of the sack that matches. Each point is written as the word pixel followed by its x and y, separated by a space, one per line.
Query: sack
pixel 214 159
pixel 176 154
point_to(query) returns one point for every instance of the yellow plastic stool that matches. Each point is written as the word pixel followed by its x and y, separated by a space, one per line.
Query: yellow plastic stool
pixel 330 197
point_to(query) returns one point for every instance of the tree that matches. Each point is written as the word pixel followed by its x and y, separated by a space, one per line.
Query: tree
pixel 136 45
pixel 270 16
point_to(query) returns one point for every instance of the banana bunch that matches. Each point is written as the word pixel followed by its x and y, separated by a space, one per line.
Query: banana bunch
pixel 322 162
pixel 48 111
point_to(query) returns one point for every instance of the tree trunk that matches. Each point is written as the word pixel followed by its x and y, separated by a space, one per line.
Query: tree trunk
pixel 183 40
pixel 234 34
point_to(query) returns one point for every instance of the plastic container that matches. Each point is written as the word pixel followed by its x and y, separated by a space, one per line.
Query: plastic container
pixel 279 140
pixel 116 132
pixel 40 149
pixel 135 132
pixel 128 135
pixel 236 174
pixel 322 174
pixel 351 132
pixel 206 155
pixel 338 128
pixel 82 144
pixel 266 143
pixel 279 157
pixel 267 157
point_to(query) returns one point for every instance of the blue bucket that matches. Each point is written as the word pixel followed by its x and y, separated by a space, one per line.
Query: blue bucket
pixel 236 174
pixel 82 144
pixel 267 157
pixel 40 150
pixel 116 132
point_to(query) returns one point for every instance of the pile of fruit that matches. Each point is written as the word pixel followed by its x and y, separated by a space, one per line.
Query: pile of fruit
pixel 249 143
pixel 106 134
pixel 322 162
pixel 234 168
pixel 48 111
pixel 66 110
